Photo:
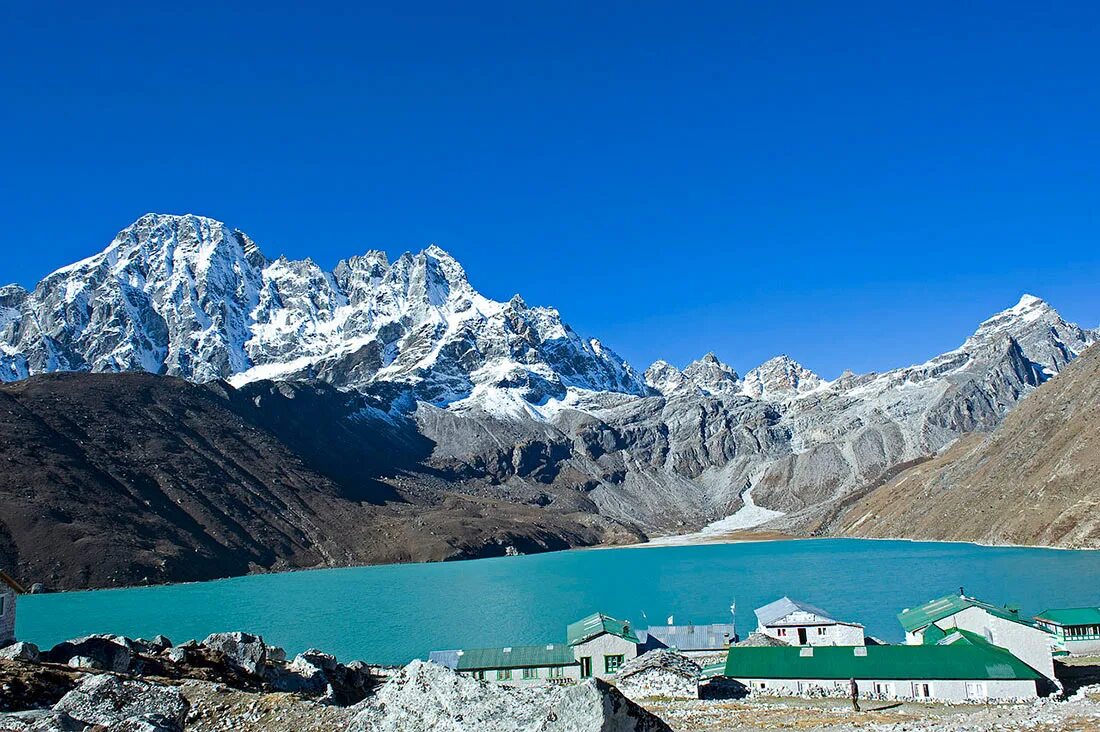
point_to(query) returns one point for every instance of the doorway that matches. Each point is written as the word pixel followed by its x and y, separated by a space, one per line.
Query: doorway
pixel 802 636
pixel 586 667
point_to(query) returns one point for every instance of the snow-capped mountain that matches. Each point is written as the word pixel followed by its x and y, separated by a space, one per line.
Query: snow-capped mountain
pixel 188 296
pixel 511 399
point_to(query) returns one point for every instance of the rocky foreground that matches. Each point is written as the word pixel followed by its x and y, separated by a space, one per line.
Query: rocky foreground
pixel 235 681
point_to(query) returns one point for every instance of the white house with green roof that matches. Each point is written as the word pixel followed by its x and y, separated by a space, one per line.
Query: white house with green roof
pixel 1002 627
pixel 962 670
pixel 1078 628
pixel 596 646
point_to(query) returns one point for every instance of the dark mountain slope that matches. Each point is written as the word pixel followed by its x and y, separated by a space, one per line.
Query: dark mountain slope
pixel 1034 480
pixel 111 479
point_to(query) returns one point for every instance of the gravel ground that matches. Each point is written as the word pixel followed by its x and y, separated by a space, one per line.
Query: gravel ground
pixel 1080 714
pixel 216 708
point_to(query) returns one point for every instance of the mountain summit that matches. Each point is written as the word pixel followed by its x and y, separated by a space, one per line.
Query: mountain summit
pixel 188 296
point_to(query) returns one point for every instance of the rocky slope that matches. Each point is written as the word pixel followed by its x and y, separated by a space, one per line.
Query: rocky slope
pixel 116 479
pixel 500 409
pixel 1033 480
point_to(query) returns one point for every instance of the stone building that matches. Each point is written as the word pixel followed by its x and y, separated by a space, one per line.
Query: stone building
pixel 1077 628
pixel 9 590
pixel 1003 627
pixel 957 672
pixel 801 624
pixel 660 673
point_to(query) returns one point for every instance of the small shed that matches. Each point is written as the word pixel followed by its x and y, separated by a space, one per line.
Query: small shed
pixel 660 673
pixel 9 590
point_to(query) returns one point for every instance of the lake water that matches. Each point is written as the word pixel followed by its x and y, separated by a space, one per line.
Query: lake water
pixel 391 614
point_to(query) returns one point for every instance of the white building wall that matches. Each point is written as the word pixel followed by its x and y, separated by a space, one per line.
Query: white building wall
pixel 570 675
pixel 938 690
pixel 1030 645
pixel 1082 647
pixel 817 634
pixel 604 645
pixel 7 619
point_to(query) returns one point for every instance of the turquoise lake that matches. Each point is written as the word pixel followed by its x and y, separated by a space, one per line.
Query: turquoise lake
pixel 391 614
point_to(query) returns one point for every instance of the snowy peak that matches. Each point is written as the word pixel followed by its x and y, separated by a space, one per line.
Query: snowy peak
pixel 780 378
pixel 188 296
pixel 1043 336
pixel 712 376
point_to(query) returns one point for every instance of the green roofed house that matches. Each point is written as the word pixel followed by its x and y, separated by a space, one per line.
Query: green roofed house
pixel 596 646
pixel 1002 627
pixel 1078 628
pixel 966 669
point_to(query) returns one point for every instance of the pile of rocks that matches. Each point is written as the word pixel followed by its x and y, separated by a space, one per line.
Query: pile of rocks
pixel 426 696
pixel 240 660
pixel 660 673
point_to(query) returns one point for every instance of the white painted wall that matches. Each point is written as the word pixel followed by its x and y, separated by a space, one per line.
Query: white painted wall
pixel 1030 645
pixel 570 675
pixel 818 632
pixel 954 690
pixel 1082 647
pixel 7 619
pixel 604 645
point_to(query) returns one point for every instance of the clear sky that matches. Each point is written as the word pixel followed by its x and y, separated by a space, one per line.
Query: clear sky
pixel 855 184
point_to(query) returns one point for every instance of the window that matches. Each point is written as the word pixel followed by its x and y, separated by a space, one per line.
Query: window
pixel 821 631
pixel 975 690
pixel 530 673
pixel 884 689
pixel 611 664
pixel 479 675
pixel 555 672
pixel 921 691
pixel 586 667
pixel 504 674
pixel 782 631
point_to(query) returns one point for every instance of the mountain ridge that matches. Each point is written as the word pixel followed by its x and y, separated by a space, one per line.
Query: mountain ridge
pixel 515 406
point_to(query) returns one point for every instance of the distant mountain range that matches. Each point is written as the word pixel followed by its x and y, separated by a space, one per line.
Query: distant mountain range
pixel 505 402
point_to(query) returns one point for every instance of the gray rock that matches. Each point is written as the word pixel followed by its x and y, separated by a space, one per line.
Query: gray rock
pixel 177 655
pixel 20 651
pixel 37 588
pixel 426 696
pixel 108 700
pixel 39 720
pixel 106 652
pixel 85 662
pixel 246 652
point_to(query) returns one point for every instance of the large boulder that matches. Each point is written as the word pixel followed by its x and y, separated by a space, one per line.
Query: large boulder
pixel 125 704
pixel 246 652
pixel 40 720
pixel 20 651
pixel 427 696
pixel 104 652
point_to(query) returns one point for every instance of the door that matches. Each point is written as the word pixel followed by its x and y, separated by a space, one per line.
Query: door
pixel 586 667
pixel 801 636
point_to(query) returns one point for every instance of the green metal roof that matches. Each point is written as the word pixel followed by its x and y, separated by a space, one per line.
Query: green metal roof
pixel 1071 616
pixel 597 624
pixel 551 654
pixel 943 607
pixel 955 661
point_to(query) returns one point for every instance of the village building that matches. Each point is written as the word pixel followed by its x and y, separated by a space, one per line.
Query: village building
pixel 957 672
pixel 660 673
pixel 1077 628
pixel 800 624
pixel 596 646
pixel 9 590
pixel 1002 627
pixel 693 641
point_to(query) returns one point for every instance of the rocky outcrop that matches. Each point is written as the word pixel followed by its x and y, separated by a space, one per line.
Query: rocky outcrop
pixel 425 696
pixel 125 704
pixel 20 651
pixel 1033 480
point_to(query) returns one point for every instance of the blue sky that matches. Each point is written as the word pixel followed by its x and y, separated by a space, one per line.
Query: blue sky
pixel 855 184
